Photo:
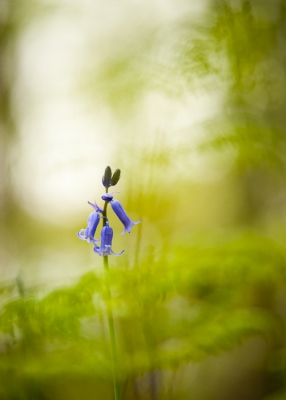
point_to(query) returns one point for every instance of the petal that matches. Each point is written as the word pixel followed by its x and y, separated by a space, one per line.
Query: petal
pixel 108 251
pixel 129 226
pixel 91 239
pixel 116 254
pixel 95 206
pixel 81 234
pixel 96 249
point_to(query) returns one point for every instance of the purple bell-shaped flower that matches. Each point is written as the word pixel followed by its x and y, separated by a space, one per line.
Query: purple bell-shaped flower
pixel 88 233
pixel 121 214
pixel 106 240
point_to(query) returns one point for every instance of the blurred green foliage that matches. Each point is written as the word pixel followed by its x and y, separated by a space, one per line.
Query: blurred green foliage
pixel 168 314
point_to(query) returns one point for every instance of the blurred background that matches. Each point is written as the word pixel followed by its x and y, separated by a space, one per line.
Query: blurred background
pixel 188 99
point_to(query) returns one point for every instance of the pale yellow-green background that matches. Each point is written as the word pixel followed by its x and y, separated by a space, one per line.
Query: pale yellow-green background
pixel 188 99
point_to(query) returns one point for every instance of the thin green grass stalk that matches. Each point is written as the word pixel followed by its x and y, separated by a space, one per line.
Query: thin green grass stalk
pixel 112 339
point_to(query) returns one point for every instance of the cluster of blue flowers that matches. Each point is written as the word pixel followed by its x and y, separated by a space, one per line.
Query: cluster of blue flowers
pixel 106 235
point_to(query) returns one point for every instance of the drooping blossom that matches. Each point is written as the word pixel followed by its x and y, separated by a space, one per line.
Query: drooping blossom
pixel 106 241
pixel 88 233
pixel 121 214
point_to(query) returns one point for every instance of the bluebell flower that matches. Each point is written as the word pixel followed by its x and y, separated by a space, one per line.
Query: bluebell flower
pixel 106 240
pixel 121 214
pixel 92 223
pixel 88 233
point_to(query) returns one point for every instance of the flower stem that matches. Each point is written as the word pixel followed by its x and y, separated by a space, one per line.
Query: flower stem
pixel 111 332
pixel 110 319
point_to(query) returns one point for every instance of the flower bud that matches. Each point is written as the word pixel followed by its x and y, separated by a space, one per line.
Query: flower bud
pixel 115 177
pixel 107 197
pixel 106 177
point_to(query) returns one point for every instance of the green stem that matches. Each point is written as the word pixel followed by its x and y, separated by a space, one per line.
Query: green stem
pixel 110 319
pixel 111 332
